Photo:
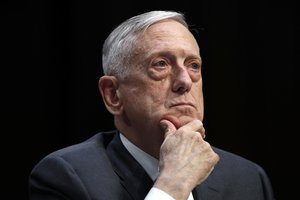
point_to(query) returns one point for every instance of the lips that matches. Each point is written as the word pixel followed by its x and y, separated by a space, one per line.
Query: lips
pixel 183 104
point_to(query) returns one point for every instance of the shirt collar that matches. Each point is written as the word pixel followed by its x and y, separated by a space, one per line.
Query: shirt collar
pixel 149 163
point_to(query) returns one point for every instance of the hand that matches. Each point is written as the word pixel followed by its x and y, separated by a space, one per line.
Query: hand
pixel 186 160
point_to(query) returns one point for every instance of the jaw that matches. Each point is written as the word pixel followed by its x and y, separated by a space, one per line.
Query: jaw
pixel 182 115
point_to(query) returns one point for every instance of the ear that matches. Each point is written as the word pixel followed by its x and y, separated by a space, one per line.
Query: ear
pixel 108 86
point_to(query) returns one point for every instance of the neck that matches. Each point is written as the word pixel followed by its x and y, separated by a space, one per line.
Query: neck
pixel 148 141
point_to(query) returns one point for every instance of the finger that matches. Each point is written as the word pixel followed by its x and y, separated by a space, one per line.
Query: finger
pixel 202 133
pixel 195 125
pixel 168 127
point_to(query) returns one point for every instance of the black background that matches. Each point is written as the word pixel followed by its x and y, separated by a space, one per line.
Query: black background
pixel 51 63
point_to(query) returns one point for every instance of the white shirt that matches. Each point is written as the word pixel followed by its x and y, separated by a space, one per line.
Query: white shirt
pixel 150 164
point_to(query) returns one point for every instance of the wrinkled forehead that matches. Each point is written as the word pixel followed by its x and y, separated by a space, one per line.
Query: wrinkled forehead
pixel 167 35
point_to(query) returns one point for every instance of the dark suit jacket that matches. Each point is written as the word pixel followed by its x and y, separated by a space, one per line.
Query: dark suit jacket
pixel 102 169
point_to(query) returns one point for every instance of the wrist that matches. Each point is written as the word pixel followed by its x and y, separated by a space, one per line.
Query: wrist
pixel 175 188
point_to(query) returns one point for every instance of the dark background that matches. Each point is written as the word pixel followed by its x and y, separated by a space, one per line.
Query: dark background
pixel 51 62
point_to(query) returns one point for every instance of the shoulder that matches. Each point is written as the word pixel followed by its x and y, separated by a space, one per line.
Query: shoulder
pixel 236 169
pixel 75 170
pixel 95 143
pixel 231 160
pixel 81 155
pixel 245 176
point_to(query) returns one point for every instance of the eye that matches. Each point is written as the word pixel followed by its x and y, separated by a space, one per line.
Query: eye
pixel 159 68
pixel 161 63
pixel 195 66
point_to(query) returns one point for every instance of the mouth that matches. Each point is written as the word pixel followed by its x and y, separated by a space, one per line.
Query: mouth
pixel 183 104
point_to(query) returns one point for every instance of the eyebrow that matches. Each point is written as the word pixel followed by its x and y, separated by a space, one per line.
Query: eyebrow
pixel 167 53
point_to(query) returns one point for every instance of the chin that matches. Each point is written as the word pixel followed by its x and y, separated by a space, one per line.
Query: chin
pixel 185 120
pixel 181 120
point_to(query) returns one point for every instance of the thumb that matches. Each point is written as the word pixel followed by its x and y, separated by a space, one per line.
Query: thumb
pixel 167 126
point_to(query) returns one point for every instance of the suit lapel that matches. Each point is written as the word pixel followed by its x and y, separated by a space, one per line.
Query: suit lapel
pixel 133 177
pixel 211 188
pixel 137 183
pixel 205 192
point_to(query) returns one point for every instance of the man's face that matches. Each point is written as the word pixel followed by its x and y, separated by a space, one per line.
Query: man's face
pixel 165 80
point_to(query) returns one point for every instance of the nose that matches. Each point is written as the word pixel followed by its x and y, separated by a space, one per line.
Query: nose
pixel 182 81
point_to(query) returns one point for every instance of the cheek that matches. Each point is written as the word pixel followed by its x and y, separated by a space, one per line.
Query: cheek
pixel 158 92
pixel 197 94
pixel 153 98
pixel 144 93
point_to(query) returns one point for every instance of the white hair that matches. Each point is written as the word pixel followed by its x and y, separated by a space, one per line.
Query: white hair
pixel 120 44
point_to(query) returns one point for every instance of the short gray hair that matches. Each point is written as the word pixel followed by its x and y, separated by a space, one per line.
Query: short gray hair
pixel 119 45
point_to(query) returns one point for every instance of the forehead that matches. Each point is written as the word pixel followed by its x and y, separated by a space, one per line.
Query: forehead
pixel 167 26
pixel 168 35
